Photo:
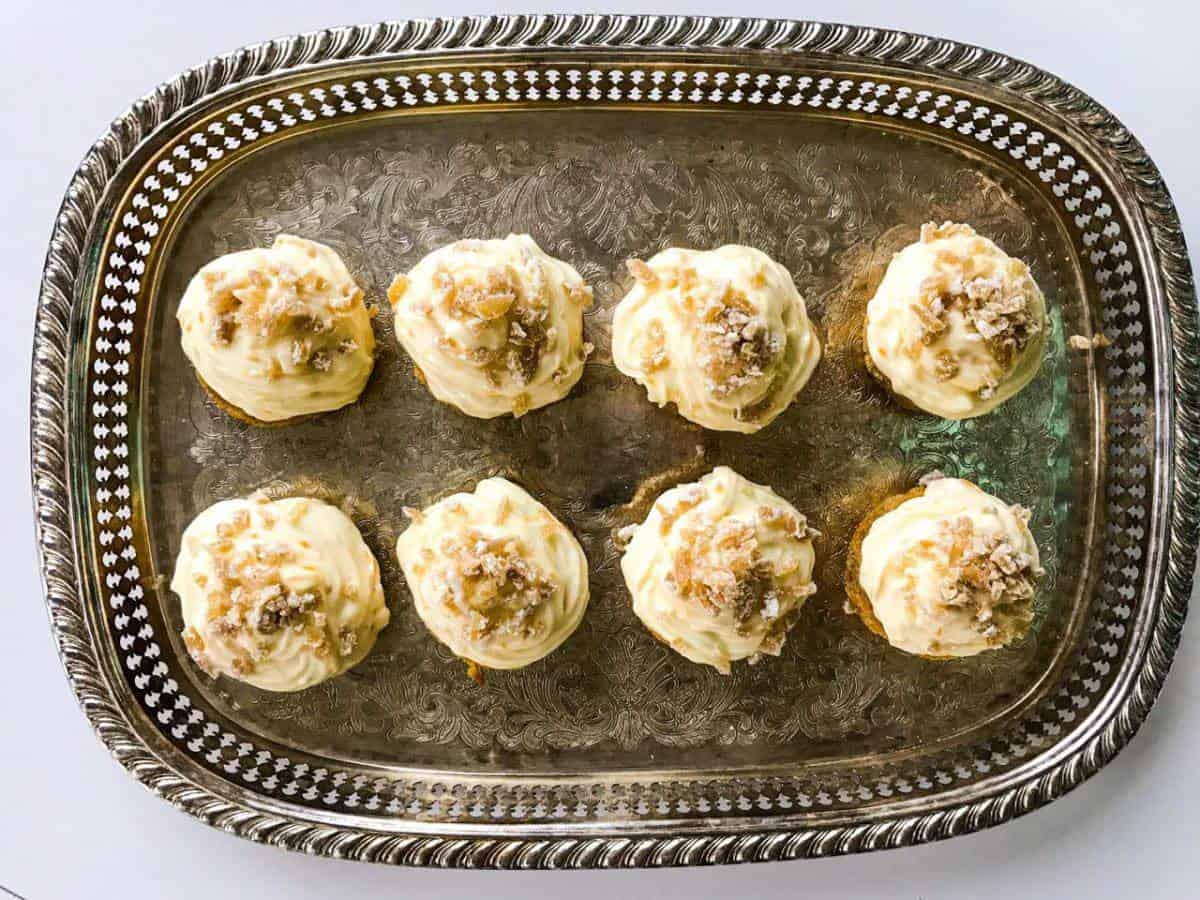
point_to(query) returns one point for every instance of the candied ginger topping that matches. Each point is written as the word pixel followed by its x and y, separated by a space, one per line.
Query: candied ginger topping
pixel 276 303
pixel 251 599
pixel 719 565
pixel 995 307
pixel 988 577
pixel 738 347
pixel 491 584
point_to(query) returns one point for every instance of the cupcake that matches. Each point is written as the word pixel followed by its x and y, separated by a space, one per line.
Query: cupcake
pixel 944 570
pixel 494 576
pixel 719 569
pixel 957 326
pixel 493 327
pixel 278 334
pixel 279 594
pixel 723 334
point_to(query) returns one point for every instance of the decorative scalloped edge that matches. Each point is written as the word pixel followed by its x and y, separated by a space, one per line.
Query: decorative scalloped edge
pixel 49 439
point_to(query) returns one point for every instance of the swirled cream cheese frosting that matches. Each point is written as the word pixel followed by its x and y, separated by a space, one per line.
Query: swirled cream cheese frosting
pixel 951 571
pixel 957 326
pixel 723 334
pixel 278 332
pixel 281 594
pixel 720 569
pixel 494 575
pixel 495 326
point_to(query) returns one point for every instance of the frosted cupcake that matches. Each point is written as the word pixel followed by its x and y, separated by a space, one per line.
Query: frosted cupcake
pixel 719 569
pixel 493 327
pixel 280 594
pixel 494 576
pixel 723 334
pixel 944 570
pixel 278 334
pixel 957 326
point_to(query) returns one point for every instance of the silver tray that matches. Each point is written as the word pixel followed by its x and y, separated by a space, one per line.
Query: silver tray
pixel 608 137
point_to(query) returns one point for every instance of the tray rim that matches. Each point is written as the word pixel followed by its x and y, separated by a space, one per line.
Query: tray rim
pixel 151 762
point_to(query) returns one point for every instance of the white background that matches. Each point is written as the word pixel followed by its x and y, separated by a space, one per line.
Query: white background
pixel 74 825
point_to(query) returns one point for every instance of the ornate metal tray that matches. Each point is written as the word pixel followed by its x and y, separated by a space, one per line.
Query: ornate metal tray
pixel 609 137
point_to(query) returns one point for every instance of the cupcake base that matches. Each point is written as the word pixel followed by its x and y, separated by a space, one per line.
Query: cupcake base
pixel 242 416
pixel 857 596
pixel 886 383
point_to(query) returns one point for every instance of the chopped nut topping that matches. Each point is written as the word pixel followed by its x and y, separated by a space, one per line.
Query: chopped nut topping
pixel 642 272
pixel 193 640
pixel 492 584
pixel 301 351
pixel 251 600
pixel 284 610
pixel 931 232
pixel 997 308
pixel 580 294
pixel 654 347
pixel 671 506
pixel 929 313
pixel 279 304
pixel 224 328
pixel 310 283
pixel 320 361
pixel 348 300
pixel 1095 342
pixel 989 578
pixel 793 524
pixel 235 526
pixel 498 306
pixel 946 366
pixel 736 346
pixel 720 565
pixel 468 300
pixel 397 288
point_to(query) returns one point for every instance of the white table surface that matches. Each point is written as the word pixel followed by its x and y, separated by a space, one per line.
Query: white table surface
pixel 74 825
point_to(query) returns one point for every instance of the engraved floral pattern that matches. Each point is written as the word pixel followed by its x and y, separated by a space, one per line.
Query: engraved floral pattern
pixel 833 213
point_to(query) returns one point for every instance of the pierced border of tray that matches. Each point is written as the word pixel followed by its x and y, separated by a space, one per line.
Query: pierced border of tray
pixel 188 161
pixel 583 84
